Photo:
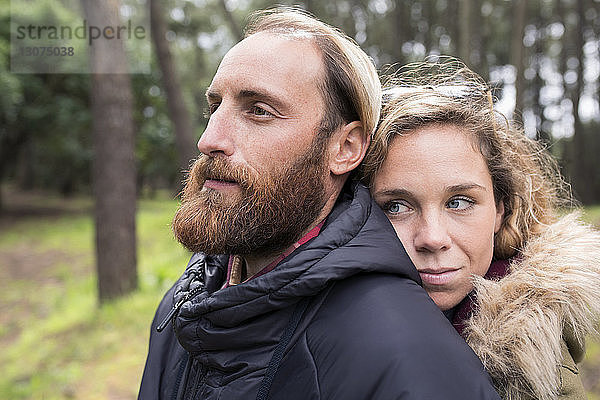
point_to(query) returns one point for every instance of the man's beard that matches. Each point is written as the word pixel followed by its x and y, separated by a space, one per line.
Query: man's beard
pixel 268 214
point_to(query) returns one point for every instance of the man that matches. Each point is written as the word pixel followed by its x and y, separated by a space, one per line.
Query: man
pixel 299 288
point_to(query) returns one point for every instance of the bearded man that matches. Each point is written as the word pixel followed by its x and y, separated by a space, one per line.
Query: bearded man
pixel 299 287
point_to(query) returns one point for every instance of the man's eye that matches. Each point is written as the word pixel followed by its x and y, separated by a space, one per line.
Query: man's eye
pixel 260 112
pixel 395 207
pixel 459 204
pixel 211 109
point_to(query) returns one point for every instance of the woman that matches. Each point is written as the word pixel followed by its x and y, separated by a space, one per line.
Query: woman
pixel 475 203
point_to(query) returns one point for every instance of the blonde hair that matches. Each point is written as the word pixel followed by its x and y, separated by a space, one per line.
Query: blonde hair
pixel 525 177
pixel 351 87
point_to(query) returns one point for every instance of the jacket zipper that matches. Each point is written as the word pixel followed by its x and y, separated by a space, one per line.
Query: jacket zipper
pixel 182 368
pixel 200 384
pixel 177 306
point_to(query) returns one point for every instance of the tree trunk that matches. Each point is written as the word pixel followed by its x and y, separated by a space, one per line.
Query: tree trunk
pixel 233 25
pixel 566 41
pixel 428 16
pixel 180 117
pixel 464 35
pixel 11 142
pixel 199 91
pixel 401 26
pixel 25 175
pixel 480 34
pixel 309 6
pixel 538 83
pixel 114 160
pixel 582 177
pixel 452 22
pixel 517 52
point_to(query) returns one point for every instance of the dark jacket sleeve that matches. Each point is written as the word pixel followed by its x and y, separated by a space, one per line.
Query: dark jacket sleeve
pixel 381 337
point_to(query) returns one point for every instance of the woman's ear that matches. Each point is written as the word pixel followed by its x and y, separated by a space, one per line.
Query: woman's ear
pixel 499 216
pixel 347 148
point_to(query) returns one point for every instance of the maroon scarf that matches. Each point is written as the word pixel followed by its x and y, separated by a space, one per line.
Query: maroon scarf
pixel 463 311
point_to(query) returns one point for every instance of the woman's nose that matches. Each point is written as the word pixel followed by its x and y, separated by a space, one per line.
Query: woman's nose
pixel 431 234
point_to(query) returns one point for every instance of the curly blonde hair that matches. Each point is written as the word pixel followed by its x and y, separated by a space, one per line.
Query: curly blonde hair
pixel 525 176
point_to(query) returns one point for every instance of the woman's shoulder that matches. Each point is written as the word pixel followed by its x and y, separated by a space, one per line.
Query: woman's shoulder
pixel 517 330
pixel 571 386
pixel 565 245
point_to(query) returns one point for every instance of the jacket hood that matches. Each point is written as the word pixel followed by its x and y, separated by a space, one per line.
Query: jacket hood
pixel 354 231
pixel 551 293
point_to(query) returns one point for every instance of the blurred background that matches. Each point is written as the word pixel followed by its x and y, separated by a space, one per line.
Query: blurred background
pixel 91 164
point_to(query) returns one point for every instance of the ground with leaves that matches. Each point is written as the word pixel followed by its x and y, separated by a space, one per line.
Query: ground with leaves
pixel 56 342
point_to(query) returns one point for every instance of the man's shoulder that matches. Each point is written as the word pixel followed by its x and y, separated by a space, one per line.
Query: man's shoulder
pixel 389 319
pixel 382 306
pixel 383 336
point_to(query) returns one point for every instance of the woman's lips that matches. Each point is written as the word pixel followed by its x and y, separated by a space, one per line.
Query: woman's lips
pixel 438 277
pixel 219 184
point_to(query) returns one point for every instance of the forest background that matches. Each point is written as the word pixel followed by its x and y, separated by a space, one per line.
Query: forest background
pixel 90 164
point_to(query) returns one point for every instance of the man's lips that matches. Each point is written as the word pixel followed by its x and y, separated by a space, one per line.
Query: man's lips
pixel 219 184
pixel 438 276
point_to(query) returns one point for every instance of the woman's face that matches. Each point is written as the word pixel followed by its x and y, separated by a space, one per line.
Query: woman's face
pixel 437 191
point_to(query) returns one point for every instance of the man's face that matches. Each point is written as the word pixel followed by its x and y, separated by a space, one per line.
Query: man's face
pixel 260 180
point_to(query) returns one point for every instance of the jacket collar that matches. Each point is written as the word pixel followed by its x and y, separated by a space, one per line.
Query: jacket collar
pixel 354 231
pixel 549 295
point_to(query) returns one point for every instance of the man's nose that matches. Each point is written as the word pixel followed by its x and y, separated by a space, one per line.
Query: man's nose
pixel 432 234
pixel 217 137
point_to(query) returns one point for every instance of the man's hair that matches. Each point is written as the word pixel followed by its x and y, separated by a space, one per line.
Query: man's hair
pixel 525 177
pixel 351 88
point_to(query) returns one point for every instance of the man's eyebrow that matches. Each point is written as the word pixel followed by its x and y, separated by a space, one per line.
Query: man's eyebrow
pixel 211 94
pixel 273 100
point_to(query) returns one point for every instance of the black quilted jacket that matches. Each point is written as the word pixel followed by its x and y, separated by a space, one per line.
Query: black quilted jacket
pixel 343 317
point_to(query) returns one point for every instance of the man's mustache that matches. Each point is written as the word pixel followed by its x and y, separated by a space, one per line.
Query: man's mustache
pixel 217 168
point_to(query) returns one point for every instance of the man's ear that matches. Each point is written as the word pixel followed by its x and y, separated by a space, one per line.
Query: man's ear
pixel 347 148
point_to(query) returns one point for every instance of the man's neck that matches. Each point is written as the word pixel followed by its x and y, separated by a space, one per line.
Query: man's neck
pixel 255 263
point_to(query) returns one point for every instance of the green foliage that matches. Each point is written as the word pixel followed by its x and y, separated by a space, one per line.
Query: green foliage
pixel 45 120
pixel 587 188
pixel 155 142
pixel 592 215
pixel 55 337
pixel 591 370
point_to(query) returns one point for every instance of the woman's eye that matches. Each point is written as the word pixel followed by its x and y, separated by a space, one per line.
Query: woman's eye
pixel 459 204
pixel 395 207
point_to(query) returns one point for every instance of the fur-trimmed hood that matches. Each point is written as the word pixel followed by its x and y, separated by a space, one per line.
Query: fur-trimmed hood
pixel 551 293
